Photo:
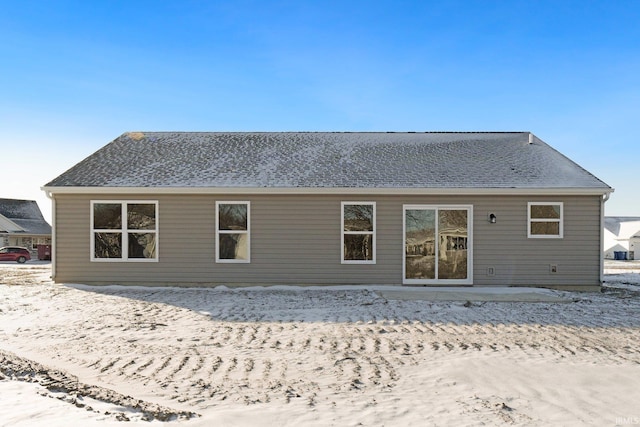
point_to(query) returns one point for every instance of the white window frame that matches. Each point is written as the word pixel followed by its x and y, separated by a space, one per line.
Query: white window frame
pixel 436 281
pixel 124 231
pixel 247 232
pixel 560 221
pixel 343 233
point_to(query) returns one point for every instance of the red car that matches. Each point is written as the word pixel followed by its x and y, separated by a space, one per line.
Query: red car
pixel 14 253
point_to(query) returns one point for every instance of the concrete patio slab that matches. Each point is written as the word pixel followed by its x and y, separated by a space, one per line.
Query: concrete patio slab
pixel 498 294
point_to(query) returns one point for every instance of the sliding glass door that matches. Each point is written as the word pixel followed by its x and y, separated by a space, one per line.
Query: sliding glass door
pixel 437 244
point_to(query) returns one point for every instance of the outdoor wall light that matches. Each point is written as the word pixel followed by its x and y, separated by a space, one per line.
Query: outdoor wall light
pixel 492 218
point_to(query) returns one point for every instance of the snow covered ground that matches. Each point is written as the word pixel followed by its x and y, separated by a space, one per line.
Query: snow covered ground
pixel 77 355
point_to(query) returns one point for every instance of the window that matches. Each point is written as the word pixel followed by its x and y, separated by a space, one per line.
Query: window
pixel 124 231
pixel 545 220
pixel 37 241
pixel 232 232
pixel 358 232
pixel 438 244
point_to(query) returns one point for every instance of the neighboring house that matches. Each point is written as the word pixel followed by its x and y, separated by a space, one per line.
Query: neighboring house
pixel 622 234
pixel 433 208
pixel 22 224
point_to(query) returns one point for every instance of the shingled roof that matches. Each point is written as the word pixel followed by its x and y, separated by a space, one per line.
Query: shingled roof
pixel 26 215
pixel 466 160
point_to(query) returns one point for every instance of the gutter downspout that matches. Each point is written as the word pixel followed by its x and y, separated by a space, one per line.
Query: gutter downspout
pixel 53 233
pixel 602 202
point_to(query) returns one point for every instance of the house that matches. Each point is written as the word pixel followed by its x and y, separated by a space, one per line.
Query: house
pixel 389 208
pixel 622 235
pixel 22 224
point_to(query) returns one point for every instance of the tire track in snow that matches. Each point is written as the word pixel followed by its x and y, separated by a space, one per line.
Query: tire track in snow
pixel 256 347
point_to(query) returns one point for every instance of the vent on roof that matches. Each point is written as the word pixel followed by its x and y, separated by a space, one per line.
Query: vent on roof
pixel 530 138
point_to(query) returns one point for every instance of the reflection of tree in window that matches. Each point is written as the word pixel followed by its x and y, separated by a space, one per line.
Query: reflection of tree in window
pixel 452 244
pixel 232 216
pixel 452 218
pixel 420 219
pixel 420 230
pixel 117 242
pixel 142 245
pixel 229 245
pixel 545 228
pixel 358 218
pixel 233 224
pixel 141 216
pixel 545 220
pixel 545 211
pixel 358 247
pixel 108 245
pixel 358 228
pixel 107 216
pixel 427 253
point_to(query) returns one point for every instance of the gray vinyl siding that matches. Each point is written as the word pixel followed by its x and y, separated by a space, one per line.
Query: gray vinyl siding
pixel 295 239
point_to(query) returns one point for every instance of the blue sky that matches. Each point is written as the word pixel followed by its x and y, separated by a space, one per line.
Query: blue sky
pixel 76 74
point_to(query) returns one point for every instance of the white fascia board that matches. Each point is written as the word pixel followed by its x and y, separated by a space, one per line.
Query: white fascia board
pixel 9 226
pixel 317 190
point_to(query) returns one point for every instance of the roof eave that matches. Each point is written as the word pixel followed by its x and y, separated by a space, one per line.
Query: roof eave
pixel 11 226
pixel 50 190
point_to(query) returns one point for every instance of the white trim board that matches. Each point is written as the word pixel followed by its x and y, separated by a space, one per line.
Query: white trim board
pixel 326 190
